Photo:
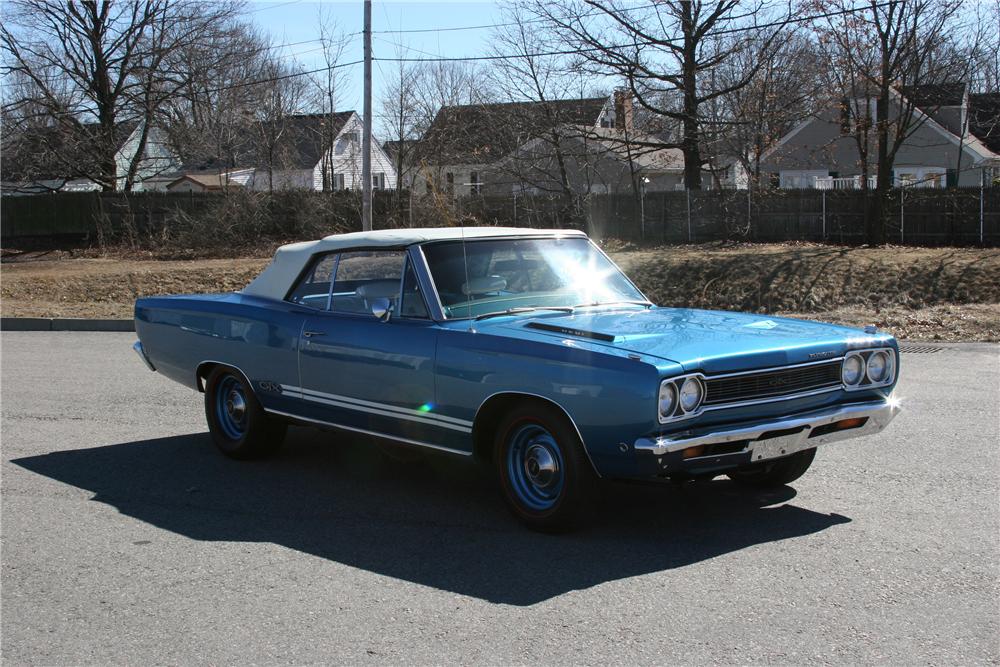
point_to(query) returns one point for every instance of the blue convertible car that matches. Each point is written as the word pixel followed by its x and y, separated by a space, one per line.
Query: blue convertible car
pixel 527 349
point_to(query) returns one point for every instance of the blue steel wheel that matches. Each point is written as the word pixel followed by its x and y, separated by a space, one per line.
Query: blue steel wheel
pixel 544 472
pixel 238 424
pixel 535 467
pixel 231 407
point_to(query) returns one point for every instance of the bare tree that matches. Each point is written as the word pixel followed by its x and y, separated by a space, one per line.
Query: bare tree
pixel 524 73
pixel 985 56
pixel 111 56
pixel 785 89
pixel 401 118
pixel 207 118
pixel 877 57
pixel 326 88
pixel 665 52
pixel 282 94
pixel 437 86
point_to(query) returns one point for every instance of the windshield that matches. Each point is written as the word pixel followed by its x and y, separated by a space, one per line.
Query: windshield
pixel 497 275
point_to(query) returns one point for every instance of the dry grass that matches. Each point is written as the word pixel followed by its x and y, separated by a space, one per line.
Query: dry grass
pixel 917 293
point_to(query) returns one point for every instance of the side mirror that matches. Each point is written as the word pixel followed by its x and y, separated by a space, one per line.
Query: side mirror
pixel 381 309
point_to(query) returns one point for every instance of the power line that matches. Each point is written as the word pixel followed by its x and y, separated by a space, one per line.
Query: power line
pixel 663 42
pixel 268 6
pixel 241 84
pixel 495 25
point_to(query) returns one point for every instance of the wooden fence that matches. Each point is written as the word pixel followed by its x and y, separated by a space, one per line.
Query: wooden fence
pixel 916 216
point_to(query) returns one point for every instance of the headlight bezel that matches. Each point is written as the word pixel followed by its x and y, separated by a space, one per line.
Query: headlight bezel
pixel 866 382
pixel 671 389
pixel 679 412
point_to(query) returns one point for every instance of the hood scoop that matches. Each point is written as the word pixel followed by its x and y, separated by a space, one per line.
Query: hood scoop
pixel 570 331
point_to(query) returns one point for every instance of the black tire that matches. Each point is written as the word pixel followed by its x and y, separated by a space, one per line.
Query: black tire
pixel 774 473
pixel 239 428
pixel 543 500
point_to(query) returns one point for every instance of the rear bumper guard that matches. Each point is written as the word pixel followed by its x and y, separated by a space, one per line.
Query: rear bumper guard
pixel 773 439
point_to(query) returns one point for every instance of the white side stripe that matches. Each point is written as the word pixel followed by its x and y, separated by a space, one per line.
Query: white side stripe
pixel 379 406
pixel 397 438
pixel 379 409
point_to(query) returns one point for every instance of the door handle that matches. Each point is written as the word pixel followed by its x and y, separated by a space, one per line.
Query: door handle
pixel 310 334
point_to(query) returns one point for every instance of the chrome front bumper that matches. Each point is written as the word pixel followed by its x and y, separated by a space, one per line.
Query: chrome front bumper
pixel 142 355
pixel 772 439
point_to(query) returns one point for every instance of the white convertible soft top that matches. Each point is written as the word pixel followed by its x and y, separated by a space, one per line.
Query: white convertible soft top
pixel 289 261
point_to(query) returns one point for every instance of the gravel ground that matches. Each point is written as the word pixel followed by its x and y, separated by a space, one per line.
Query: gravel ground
pixel 950 294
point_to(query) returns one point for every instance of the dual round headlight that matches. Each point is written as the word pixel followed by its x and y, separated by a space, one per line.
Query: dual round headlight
pixel 879 366
pixel 667 403
pixel 689 397
pixel 692 391
pixel 853 370
pixel 876 369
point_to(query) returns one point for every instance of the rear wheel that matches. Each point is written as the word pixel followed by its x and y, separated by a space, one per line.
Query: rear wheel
pixel 775 473
pixel 543 470
pixel 238 424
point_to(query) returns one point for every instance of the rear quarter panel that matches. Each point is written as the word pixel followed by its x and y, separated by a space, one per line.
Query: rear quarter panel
pixel 258 336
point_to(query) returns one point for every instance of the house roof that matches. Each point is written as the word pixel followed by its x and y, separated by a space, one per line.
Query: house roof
pixel 982 138
pixel 484 133
pixel 208 181
pixel 392 148
pixel 984 119
pixel 935 95
pixel 646 151
pixel 290 260
pixel 59 152
pixel 299 142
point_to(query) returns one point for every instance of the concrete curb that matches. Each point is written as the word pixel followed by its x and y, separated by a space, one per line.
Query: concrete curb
pixel 64 324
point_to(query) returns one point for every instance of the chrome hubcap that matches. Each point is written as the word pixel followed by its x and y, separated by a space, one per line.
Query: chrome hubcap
pixel 540 466
pixel 535 467
pixel 231 409
pixel 236 407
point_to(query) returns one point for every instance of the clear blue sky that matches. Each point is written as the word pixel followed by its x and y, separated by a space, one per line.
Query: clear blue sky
pixel 290 21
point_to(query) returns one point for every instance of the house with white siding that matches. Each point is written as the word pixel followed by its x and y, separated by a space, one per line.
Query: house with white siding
pixel 57 159
pixel 953 140
pixel 296 152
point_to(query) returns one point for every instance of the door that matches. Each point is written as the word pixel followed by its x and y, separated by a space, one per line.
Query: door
pixel 370 374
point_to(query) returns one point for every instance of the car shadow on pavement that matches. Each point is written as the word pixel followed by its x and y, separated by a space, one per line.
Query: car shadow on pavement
pixel 438 523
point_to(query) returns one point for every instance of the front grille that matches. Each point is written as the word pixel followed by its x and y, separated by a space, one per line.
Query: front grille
pixel 770 384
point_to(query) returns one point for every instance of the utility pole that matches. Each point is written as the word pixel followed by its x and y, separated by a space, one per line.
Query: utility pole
pixel 366 143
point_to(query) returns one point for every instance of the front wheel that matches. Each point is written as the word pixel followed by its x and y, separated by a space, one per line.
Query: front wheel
pixel 238 424
pixel 775 473
pixel 544 473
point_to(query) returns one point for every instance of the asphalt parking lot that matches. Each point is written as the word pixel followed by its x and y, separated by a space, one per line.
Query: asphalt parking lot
pixel 127 539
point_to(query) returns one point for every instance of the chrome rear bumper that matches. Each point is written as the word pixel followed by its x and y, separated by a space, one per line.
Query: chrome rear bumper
pixel 772 439
pixel 142 355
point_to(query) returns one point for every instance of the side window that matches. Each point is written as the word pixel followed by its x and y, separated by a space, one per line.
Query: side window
pixel 413 301
pixel 313 289
pixel 366 275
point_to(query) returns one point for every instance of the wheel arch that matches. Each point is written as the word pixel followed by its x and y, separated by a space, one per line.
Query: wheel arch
pixel 495 406
pixel 206 367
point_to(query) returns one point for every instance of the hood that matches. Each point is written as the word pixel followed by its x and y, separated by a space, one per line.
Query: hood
pixel 707 340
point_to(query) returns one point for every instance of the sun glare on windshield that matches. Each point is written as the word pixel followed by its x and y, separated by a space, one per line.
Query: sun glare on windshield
pixel 498 275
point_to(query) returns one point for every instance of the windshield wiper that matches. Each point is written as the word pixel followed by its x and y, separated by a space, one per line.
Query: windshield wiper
pixel 647 304
pixel 526 309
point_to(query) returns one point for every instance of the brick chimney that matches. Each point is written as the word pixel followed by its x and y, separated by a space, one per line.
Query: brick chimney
pixel 623 110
